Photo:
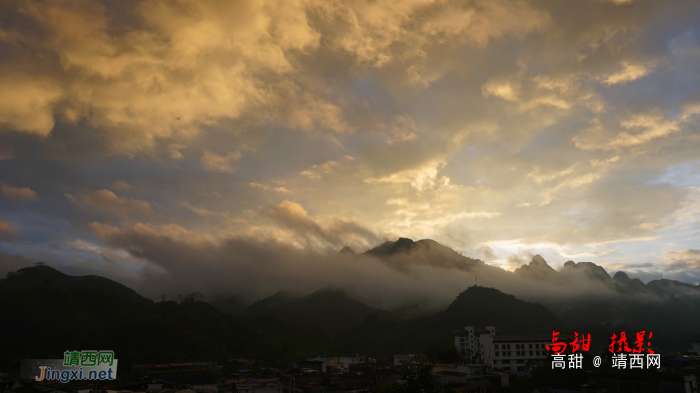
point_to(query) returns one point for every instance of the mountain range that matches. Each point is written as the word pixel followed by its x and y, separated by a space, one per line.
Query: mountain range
pixel 50 312
pixel 45 320
pixel 41 275
pixel 331 309
pixel 405 252
pixel 620 282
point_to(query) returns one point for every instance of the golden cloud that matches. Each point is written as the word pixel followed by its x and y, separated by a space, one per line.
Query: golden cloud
pixel 23 193
pixel 7 230
pixel 179 71
pixel 109 201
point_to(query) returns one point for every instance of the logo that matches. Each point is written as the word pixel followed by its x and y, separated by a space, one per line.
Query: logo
pixel 623 357
pixel 75 366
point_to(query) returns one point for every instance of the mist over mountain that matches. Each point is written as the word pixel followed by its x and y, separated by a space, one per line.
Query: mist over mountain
pixel 537 269
pixel 627 284
pixel 410 279
pixel 264 306
pixel 285 325
pixel 620 283
pixel 670 309
pixel 404 252
pixel 331 309
pixel 229 305
pixel 475 306
pixel 46 320
pixel 327 320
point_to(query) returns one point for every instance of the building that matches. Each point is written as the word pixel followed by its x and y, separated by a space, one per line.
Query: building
pixel 317 383
pixel 297 380
pixel 695 349
pixel 260 386
pixel 400 359
pixel 469 370
pixel 146 385
pixel 469 342
pixel 331 361
pixel 316 365
pixel 346 361
pixel 383 377
pixel 678 383
pixel 205 388
pixel 195 372
pixel 476 386
pixel 503 352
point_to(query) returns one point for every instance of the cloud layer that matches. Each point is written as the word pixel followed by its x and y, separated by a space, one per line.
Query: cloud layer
pixel 502 129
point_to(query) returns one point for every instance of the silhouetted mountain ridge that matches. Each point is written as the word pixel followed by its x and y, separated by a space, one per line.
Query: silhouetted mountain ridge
pixel 331 309
pixel 47 320
pixel 476 306
pixel 263 306
pixel 404 252
pixel 41 275
pixel 539 270
pixel 231 305
pixel 482 306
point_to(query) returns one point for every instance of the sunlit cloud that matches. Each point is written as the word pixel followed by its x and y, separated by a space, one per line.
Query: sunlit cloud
pixel 109 201
pixel 21 193
pixel 628 73
pixel 421 179
pixel 7 229
pixel 501 129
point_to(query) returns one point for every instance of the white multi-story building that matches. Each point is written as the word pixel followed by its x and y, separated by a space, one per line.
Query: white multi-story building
pixel 503 352
pixel 470 345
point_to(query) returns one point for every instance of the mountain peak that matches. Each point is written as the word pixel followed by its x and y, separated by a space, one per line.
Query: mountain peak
pixel 538 260
pixel 263 306
pixel 403 243
pixel 537 269
pixel 389 248
pixel 347 250
pixel 42 275
pixel 330 308
pixel 589 269
pixel 666 287
pixel 481 306
pixel 427 252
pixel 624 284
pixel 329 291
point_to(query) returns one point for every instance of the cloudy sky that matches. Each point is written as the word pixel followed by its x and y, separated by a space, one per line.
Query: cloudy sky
pixel 131 131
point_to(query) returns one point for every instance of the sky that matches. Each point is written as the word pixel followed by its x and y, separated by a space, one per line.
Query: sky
pixel 193 141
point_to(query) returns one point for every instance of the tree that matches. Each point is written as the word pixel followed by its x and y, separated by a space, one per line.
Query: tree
pixel 417 377
pixel 443 352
